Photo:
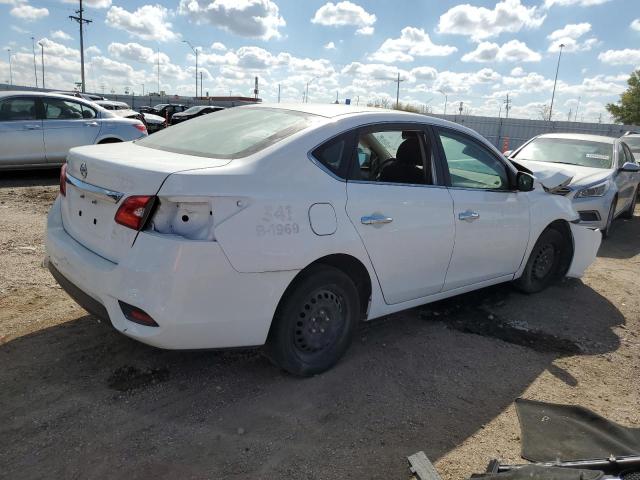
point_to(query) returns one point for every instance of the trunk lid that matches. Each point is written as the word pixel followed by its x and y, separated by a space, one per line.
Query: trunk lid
pixel 102 176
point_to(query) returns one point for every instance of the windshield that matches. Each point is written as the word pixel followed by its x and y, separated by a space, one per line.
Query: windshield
pixel 232 133
pixel 633 143
pixel 584 153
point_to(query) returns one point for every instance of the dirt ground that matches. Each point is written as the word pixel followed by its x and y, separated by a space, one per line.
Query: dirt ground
pixel 79 400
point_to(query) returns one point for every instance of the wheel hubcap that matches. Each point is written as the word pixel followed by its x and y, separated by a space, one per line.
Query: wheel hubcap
pixel 319 322
pixel 544 260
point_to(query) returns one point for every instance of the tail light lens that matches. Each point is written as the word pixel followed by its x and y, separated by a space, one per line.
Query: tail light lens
pixel 63 180
pixel 134 211
pixel 137 315
pixel 141 127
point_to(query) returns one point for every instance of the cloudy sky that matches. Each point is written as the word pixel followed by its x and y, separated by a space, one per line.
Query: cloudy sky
pixel 476 52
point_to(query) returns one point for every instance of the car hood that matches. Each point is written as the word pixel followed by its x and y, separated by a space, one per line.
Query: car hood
pixel 151 118
pixel 579 175
pixel 124 113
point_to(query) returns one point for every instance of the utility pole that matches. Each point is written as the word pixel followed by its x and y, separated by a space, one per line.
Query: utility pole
pixel 569 116
pixel 35 70
pixel 306 95
pixel 556 79
pixel 10 70
pixel 600 118
pixel 278 93
pixel 398 91
pixel 460 107
pixel 142 89
pixel 42 58
pixel 507 106
pixel 195 50
pixel 158 61
pixel 200 83
pixel 575 119
pixel 445 100
pixel 81 22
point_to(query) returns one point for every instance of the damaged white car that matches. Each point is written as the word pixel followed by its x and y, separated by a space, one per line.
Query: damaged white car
pixel 286 226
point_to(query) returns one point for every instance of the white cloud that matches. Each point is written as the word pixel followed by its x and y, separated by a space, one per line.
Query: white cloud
pixel 627 56
pixel 218 46
pixel 135 52
pixel 247 18
pixel 92 50
pixel 344 14
pixel 424 73
pixel 60 35
pixel 593 87
pixel 635 25
pixel 330 46
pixel 529 83
pixel 581 3
pixel 148 22
pixel 512 51
pixel 92 3
pixel 569 37
pixel 29 13
pixel 462 82
pixel 413 42
pixel 480 22
pixel 517 72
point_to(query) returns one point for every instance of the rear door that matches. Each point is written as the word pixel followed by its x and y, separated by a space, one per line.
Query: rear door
pixel 625 181
pixel 21 138
pixel 67 123
pixel 400 212
pixel 491 220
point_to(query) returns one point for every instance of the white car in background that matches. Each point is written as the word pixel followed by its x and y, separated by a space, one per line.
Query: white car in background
pixel 605 175
pixel 37 129
pixel 288 225
pixel 122 109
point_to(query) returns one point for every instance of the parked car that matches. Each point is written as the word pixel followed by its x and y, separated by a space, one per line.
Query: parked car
pixel 122 109
pixel 38 129
pixel 166 110
pixel 605 173
pixel 261 225
pixel 633 142
pixel 87 96
pixel 194 112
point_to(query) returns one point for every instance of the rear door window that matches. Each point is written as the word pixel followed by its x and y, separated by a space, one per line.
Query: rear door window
pixel 18 108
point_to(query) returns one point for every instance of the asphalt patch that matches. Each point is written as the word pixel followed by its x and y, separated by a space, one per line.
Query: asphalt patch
pixel 129 378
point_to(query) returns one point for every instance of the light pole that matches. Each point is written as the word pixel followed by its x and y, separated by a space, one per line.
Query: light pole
pixel 445 100
pixel 556 79
pixel 35 70
pixel 306 95
pixel 42 58
pixel 10 71
pixel 195 50
pixel 142 89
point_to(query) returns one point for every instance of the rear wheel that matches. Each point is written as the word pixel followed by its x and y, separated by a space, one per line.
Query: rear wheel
pixel 628 213
pixel 546 262
pixel 314 322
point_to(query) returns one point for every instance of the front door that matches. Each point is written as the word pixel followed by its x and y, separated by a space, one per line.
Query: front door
pixel 21 140
pixel 67 124
pixel 491 220
pixel 402 216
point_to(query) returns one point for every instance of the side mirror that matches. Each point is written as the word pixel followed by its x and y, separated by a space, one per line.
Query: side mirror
pixel 507 153
pixel 524 182
pixel 630 167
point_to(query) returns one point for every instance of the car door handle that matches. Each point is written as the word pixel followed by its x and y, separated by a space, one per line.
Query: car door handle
pixel 91 124
pixel 32 127
pixel 468 216
pixel 375 219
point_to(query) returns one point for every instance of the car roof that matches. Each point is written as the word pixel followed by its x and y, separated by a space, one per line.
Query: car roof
pixel 328 110
pixel 31 93
pixel 579 136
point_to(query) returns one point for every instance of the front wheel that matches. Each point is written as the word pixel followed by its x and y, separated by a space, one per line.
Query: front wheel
pixel 315 322
pixel 546 262
pixel 612 210
pixel 628 213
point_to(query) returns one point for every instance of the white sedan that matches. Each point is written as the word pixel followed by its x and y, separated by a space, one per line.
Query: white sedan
pixel 286 226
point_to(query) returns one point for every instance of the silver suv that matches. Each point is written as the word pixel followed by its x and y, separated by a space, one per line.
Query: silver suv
pixel 37 129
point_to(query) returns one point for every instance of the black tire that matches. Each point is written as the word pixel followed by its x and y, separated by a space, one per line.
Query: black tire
pixel 547 262
pixel 314 322
pixel 606 233
pixel 628 213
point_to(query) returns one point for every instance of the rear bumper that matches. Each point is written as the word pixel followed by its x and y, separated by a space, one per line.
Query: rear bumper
pixel 188 287
pixel 586 242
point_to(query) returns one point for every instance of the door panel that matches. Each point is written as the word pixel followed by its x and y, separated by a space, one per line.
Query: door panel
pixel 21 138
pixel 625 181
pixel 67 124
pixel 411 253
pixel 492 243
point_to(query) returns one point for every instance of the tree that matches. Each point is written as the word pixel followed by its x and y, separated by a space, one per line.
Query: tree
pixel 627 110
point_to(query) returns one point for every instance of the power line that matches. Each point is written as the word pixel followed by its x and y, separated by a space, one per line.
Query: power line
pixel 81 22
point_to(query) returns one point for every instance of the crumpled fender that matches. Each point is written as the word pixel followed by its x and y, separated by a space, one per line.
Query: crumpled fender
pixel 586 242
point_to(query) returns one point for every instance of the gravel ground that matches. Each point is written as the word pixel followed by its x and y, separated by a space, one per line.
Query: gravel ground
pixel 79 400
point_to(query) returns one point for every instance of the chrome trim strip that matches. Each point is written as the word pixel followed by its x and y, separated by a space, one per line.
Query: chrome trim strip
pixel 94 190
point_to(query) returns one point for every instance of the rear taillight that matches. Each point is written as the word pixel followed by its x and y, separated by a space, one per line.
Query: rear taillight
pixel 141 127
pixel 134 211
pixel 63 180
pixel 137 315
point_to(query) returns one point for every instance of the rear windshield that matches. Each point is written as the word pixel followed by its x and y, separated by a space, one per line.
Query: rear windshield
pixel 193 109
pixel 570 151
pixel 633 143
pixel 232 133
